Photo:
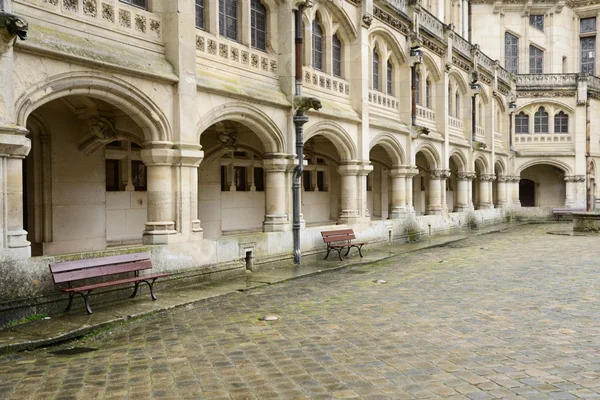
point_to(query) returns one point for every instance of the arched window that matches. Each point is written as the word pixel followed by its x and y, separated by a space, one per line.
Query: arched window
pixel 521 123
pixel 418 88
pixel 228 19
pixel 375 69
pixel 457 104
pixel 258 25
pixel 336 55
pixel 390 83
pixel 449 100
pixel 480 115
pixel 428 93
pixel 317 45
pixel 200 14
pixel 561 123
pixel 540 121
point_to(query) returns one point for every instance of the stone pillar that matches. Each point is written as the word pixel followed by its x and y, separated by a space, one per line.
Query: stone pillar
pixel 361 200
pixel 410 207
pixel 349 193
pixel 574 184
pixel 462 191
pixel 276 217
pixel 501 192
pixel 485 191
pixel 186 163
pixel 160 227
pixel 435 193
pixel 445 175
pixel 470 177
pixel 514 180
pixel 398 177
pixel 14 147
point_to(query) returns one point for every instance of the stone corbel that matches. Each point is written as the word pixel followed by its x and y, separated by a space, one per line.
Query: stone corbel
pixel 11 27
pixel 188 157
pixel 13 142
pixel 367 20
pixel 158 156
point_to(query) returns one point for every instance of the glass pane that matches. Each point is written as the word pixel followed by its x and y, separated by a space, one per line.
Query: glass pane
pixel 587 25
pixel 337 56
pixel 389 78
pixel 511 53
pixel 375 70
pixel 537 21
pixel 588 55
pixel 317 46
pixel 200 14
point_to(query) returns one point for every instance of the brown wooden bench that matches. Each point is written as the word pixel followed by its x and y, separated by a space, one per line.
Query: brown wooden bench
pixel 339 240
pixel 73 272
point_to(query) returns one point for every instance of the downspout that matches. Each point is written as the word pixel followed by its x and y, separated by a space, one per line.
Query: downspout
pixel 299 120
pixel 469 20
pixel 588 164
pixel 413 89
pixel 473 117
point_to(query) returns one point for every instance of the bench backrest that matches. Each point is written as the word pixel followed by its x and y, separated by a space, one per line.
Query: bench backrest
pixel 95 267
pixel 338 236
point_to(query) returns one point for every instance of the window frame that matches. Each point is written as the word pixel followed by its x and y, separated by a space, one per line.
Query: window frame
pixel 418 87
pixel 201 14
pixel 511 52
pixel 130 3
pixel 536 60
pixel 336 56
pixel 537 21
pixel 375 74
pixel 522 121
pixel 428 93
pixel 258 9
pixel 317 55
pixel 224 16
pixel 561 122
pixel 389 78
pixel 541 121
pixel 457 104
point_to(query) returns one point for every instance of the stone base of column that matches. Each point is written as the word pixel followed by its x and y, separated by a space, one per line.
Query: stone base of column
pixel 438 210
pixel 197 231
pixel 502 204
pixel 276 223
pixel 159 232
pixel 463 208
pixel 516 203
pixel 18 245
pixel 349 217
pixel 399 213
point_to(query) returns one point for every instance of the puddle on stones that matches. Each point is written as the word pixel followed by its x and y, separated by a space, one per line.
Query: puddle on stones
pixel 73 351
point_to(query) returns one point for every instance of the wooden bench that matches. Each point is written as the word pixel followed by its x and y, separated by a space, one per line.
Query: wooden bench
pixel 339 240
pixel 73 272
pixel 559 212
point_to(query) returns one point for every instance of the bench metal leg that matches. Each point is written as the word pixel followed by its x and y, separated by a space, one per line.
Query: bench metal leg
pixel 151 286
pixel 340 253
pixel 135 289
pixel 327 255
pixel 71 295
pixel 359 250
pixel 86 297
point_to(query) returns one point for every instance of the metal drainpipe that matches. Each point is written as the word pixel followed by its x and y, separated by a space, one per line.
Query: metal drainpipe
pixel 469 20
pixel 588 165
pixel 413 89
pixel 299 120
pixel 473 117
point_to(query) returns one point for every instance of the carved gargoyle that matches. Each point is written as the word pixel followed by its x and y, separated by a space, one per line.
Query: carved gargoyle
pixel 11 27
pixel 103 128
pixel 303 4
pixel 302 103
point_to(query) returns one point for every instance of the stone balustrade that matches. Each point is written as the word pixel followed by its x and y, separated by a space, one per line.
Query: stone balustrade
pixel 425 113
pixel 461 45
pixel 455 123
pixel 485 62
pixel 536 139
pixel 432 24
pixel 320 80
pixel 380 99
pixel 480 133
pixel 110 13
pixel 546 81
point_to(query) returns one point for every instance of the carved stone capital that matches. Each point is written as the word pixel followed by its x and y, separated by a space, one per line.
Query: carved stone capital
pixel 487 177
pixel 575 178
pixel 465 176
pixel 436 174
pixel 502 178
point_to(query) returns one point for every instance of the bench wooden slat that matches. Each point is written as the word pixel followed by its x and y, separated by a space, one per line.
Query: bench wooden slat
pixel 113 283
pixel 340 239
pixel 96 262
pixel 75 275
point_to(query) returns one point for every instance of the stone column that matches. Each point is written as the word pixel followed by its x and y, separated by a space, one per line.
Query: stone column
pixel 186 163
pixel 362 204
pixel 571 189
pixel 276 217
pixel 14 147
pixel 462 191
pixel 349 193
pixel 502 198
pixel 160 227
pixel 445 175
pixel 485 192
pixel 435 193
pixel 514 180
pixel 410 207
pixel 398 177
pixel 470 176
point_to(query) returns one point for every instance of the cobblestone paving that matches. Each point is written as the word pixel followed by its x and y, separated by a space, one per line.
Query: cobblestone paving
pixel 506 315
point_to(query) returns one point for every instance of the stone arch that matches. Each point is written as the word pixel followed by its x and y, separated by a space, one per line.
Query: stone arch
pixel 391 41
pixel 337 135
pixel 115 91
pixel 432 67
pixel 535 104
pixel 254 118
pixel 499 102
pixel 556 163
pixel 334 8
pixel 483 164
pixel 502 165
pixel 430 153
pixel 460 159
pixel 391 146
pixel 456 77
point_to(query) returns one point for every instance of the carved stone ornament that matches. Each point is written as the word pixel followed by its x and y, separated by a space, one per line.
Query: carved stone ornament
pixel 465 176
pixel 11 27
pixel 487 177
pixel 302 103
pixel 102 128
pixel 367 20
pixel 448 66
pixel 502 178
pixel 436 174
pixel 228 139
pixel 575 178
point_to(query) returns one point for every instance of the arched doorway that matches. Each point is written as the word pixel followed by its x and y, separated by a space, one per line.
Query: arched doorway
pixel 378 184
pixel 542 185
pixel 84 182
pixel 527 192
pixel 427 190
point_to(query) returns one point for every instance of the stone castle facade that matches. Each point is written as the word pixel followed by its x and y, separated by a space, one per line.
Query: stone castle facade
pixel 167 126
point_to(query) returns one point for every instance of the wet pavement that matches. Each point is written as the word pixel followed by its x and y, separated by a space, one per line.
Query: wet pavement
pixel 512 314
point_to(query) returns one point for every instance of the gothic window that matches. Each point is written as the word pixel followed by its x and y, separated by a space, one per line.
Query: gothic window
pixel 540 121
pixel 588 54
pixel 521 123
pixel 137 3
pixel 375 69
pixel 449 100
pixel 537 21
pixel 317 44
pixel 561 123
pixel 536 60
pixel 511 53
pixel 457 105
pixel 418 88
pixel 228 19
pixel 200 14
pixel 587 25
pixel 389 78
pixel 480 115
pixel 336 56
pixel 428 93
pixel 258 25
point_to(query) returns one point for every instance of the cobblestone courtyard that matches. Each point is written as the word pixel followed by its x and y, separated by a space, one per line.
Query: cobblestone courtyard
pixel 506 315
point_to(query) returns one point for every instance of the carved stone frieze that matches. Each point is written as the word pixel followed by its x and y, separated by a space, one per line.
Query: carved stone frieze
pixel 546 93
pixel 575 178
pixel 434 46
pixel 390 20
pixel 461 63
